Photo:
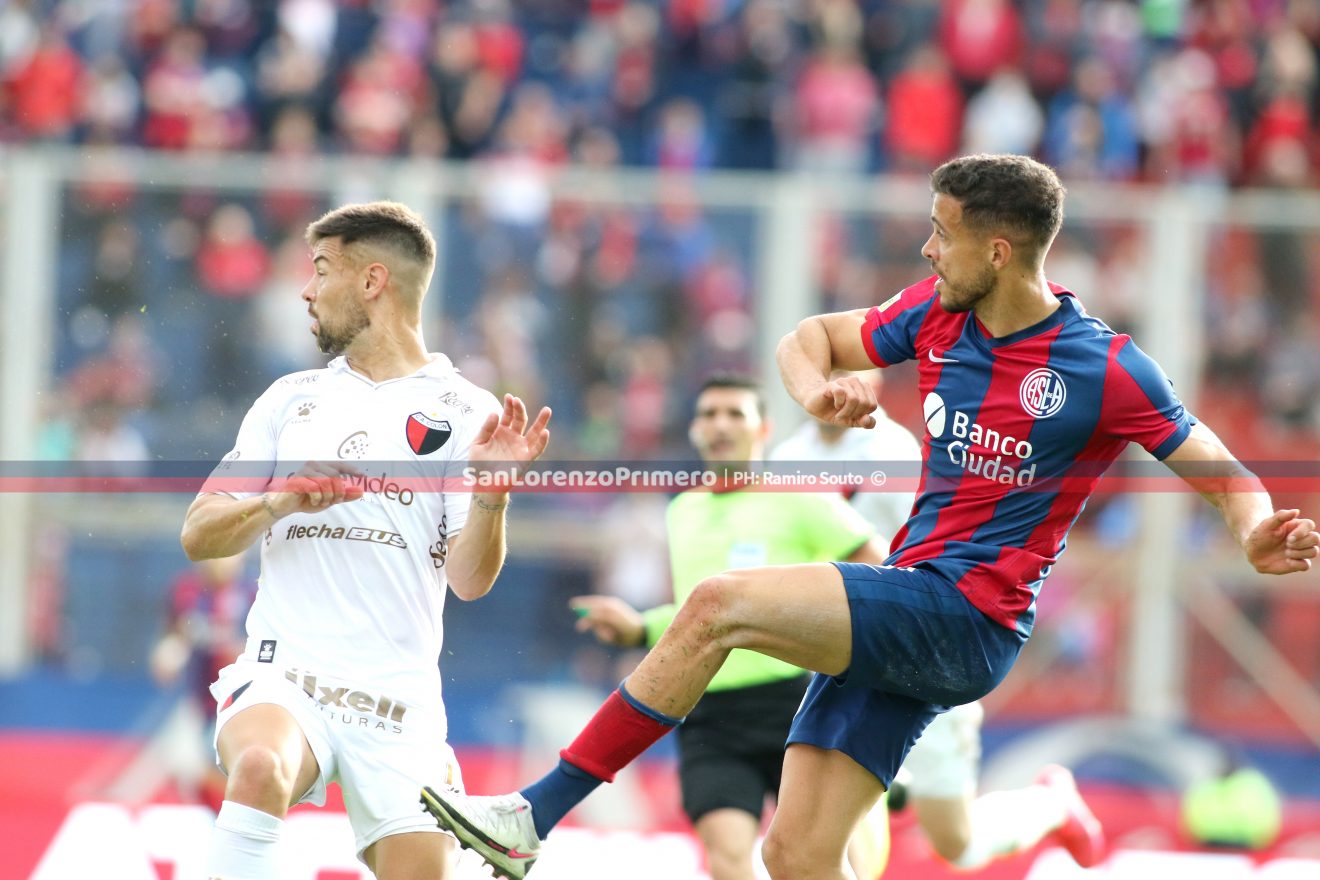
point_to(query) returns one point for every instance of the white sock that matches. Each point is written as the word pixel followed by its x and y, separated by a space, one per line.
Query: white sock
pixel 243 844
pixel 1007 822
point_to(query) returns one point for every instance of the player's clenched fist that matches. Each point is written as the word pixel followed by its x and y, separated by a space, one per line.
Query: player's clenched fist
pixel 1283 543
pixel 315 486
pixel 844 400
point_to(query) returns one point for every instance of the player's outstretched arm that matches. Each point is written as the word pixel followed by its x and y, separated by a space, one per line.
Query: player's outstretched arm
pixel 476 554
pixel 610 619
pixel 820 345
pixel 221 525
pixel 1274 541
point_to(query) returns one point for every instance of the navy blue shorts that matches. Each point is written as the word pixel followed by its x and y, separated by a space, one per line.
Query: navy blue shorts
pixel 918 647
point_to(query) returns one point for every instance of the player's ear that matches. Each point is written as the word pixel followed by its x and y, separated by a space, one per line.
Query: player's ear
pixel 1001 252
pixel 374 279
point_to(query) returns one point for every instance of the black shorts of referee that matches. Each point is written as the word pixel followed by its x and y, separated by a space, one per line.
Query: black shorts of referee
pixel 731 747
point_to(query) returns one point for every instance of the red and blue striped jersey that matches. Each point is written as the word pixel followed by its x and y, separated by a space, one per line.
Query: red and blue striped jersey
pixel 1019 430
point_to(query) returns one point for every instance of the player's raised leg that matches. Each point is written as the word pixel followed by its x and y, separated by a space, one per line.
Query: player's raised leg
pixel 798 614
pixel 270 766
pixel 822 798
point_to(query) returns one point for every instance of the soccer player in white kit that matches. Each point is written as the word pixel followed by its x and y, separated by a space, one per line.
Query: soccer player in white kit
pixel 941 770
pixel 340 679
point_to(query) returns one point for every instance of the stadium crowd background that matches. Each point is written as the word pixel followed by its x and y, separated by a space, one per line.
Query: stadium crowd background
pixel 1215 94
pixel 175 306
pixel 1218 93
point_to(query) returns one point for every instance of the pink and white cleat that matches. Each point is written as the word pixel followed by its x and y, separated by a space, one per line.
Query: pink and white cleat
pixel 499 829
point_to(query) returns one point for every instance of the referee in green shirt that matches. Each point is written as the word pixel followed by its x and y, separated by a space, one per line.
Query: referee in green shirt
pixel 731 747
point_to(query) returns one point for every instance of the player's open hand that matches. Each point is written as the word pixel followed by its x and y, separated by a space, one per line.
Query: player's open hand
pixel 847 401
pixel 1283 543
pixel 507 439
pixel 317 485
pixel 611 620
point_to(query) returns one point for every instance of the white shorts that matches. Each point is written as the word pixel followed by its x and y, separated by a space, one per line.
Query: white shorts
pixel 379 750
pixel 946 760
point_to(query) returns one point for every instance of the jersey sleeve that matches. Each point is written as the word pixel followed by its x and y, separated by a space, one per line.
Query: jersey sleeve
pixel 1140 403
pixel 458 500
pixel 831 527
pixel 247 469
pixel 889 333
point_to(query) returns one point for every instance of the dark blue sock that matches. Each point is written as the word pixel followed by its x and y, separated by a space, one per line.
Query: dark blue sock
pixel 554 794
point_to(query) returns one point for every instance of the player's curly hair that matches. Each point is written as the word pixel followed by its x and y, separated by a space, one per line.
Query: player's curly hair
pixel 391 224
pixel 1012 195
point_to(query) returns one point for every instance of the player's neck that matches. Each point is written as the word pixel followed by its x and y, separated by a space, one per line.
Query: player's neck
pixel 1016 304
pixel 733 477
pixel 388 352
pixel 830 435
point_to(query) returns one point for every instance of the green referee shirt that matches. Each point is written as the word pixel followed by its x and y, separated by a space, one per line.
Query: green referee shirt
pixel 712 532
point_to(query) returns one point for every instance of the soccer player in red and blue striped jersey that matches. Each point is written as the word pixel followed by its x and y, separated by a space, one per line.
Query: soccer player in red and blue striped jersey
pixel 1027 400
pixel 1020 428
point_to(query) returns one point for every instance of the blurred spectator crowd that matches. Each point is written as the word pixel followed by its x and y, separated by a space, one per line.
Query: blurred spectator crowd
pixel 611 313
pixel 1211 91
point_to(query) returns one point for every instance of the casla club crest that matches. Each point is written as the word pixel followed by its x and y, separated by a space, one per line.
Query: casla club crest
pixel 426 435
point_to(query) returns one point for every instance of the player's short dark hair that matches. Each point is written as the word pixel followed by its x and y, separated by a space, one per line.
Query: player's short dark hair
pixel 391 224
pixel 738 382
pixel 1015 195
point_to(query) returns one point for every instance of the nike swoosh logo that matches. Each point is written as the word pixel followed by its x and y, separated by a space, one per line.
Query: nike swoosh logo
pixel 941 360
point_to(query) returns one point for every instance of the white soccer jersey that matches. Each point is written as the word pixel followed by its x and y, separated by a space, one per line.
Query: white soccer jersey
pixel 888 442
pixel 356 591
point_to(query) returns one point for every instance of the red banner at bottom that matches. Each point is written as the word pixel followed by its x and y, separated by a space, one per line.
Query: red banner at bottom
pixel 51 833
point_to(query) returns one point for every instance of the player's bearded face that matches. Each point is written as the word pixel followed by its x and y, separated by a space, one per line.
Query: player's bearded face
pixel 335 333
pixel 961 292
pixel 958 255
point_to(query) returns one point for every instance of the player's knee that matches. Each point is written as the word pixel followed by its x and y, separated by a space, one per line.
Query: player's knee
pixel 798 859
pixel 261 774
pixel 947 825
pixel 708 612
pixel 774 855
pixel 724 862
pixel 948 845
